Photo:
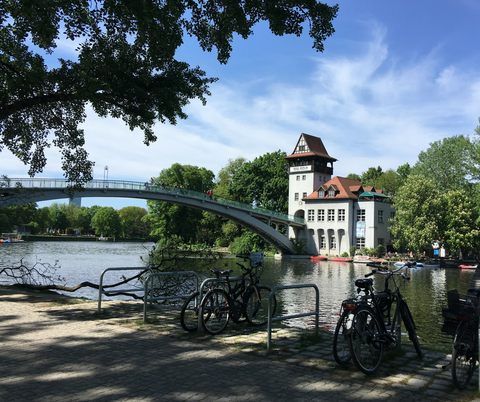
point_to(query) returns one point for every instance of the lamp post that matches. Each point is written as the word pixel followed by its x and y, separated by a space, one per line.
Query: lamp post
pixel 105 173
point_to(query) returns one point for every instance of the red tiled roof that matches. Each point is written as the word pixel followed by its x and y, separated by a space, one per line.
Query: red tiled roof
pixel 315 145
pixel 346 188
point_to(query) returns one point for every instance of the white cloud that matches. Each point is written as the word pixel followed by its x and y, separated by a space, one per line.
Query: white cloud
pixel 371 109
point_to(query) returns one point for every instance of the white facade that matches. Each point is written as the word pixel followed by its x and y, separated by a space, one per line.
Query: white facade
pixel 338 216
pixel 333 225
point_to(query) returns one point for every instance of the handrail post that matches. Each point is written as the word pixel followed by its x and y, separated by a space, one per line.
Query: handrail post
pixel 270 312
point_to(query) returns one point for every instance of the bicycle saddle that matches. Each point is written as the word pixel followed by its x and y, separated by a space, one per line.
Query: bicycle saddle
pixel 364 283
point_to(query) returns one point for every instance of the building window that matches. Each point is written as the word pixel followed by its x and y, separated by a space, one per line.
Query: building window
pixel 323 245
pixel 321 193
pixel 360 243
pixel 380 216
pixel 360 215
pixel 333 243
pixel 301 148
pixel 304 195
pixel 392 214
pixel 296 196
pixel 304 177
pixel 331 215
pixel 298 178
pixel 331 193
pixel 311 215
pixel 321 215
pixel 341 215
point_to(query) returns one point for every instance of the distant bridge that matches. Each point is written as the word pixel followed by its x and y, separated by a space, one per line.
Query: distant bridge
pixel 258 220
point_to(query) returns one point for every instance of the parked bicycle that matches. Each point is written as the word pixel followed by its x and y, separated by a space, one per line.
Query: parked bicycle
pixel 341 348
pixel 463 310
pixel 371 322
pixel 247 299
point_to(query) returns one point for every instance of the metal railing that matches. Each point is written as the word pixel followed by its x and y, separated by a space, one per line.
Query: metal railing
pixel 100 282
pixel 271 319
pixel 145 186
pixel 147 299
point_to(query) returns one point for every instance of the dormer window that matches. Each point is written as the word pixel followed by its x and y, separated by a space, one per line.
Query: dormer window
pixel 331 193
pixel 321 193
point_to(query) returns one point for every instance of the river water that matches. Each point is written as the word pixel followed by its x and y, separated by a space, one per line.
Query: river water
pixel 425 292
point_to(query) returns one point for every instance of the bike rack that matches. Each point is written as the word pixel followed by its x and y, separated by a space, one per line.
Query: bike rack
pixel 200 291
pixel 150 278
pixel 271 319
pixel 100 285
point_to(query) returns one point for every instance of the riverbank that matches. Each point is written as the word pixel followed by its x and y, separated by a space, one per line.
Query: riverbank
pixel 58 348
pixel 74 238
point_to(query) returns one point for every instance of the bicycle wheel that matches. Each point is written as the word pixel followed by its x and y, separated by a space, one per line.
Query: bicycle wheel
pixel 341 350
pixel 364 341
pixel 256 306
pixel 410 327
pixel 463 355
pixel 189 313
pixel 215 311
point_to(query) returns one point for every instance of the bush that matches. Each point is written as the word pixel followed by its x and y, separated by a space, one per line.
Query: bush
pixel 240 246
pixel 352 251
pixel 222 243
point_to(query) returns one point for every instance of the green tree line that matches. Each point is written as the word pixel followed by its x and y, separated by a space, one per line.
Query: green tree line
pixel 436 200
pixel 69 218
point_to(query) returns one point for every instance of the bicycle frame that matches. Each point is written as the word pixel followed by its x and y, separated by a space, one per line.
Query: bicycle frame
pixel 373 299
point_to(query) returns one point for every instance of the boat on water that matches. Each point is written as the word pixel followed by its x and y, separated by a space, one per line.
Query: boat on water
pixel 399 263
pixel 430 264
pixel 342 259
pixel 413 264
pixel 362 259
pixel 318 257
pixel 468 266
pixel 10 239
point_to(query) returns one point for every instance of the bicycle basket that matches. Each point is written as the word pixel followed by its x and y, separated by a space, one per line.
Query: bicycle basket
pixel 461 307
pixel 465 307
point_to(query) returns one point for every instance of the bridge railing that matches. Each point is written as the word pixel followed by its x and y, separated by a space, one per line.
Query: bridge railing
pixel 147 186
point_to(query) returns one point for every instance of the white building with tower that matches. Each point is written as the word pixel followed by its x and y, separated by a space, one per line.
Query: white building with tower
pixel 339 212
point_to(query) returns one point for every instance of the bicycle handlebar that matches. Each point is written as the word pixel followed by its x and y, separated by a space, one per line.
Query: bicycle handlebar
pixel 384 271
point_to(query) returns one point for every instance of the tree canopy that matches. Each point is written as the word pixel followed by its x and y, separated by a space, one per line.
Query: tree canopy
pixel 106 222
pixel 450 163
pixel 124 64
pixel 417 222
pixel 263 182
pixel 169 219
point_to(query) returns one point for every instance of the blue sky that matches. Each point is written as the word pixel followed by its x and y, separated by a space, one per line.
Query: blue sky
pixel 393 78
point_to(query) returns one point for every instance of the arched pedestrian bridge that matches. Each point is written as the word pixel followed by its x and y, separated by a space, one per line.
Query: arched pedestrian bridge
pixel 258 220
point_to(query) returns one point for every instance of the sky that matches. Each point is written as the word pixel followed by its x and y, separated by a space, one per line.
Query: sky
pixel 393 78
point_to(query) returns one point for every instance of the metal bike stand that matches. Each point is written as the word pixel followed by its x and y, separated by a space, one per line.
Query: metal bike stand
pixel 100 282
pixel 150 277
pixel 271 319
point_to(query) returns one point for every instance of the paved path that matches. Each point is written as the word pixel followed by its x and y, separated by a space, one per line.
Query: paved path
pixel 66 353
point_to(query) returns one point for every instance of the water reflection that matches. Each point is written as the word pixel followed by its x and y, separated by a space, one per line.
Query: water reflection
pixel 425 292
